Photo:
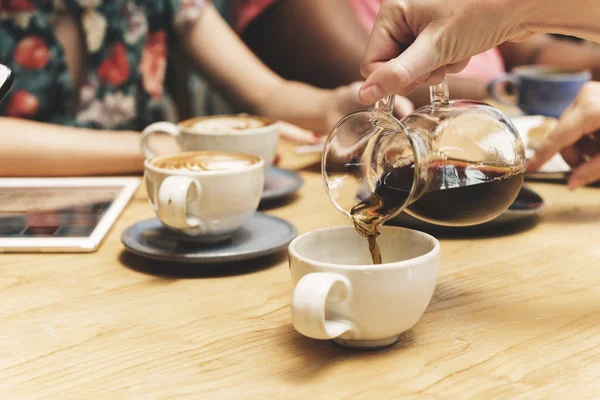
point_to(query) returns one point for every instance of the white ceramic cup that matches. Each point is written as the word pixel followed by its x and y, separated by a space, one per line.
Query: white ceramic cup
pixel 258 141
pixel 339 294
pixel 208 205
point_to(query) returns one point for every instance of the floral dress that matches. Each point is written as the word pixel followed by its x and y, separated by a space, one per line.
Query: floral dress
pixel 124 65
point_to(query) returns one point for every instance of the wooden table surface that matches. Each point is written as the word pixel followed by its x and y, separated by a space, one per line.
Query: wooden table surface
pixel 513 316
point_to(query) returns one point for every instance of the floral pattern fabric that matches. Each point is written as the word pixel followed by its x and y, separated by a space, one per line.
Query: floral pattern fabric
pixel 125 64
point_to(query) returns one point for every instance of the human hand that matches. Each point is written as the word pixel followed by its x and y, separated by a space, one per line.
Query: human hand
pixel 576 137
pixel 417 42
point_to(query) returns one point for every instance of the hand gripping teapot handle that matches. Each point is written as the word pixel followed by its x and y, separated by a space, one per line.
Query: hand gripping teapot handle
pixel 386 105
pixel 439 95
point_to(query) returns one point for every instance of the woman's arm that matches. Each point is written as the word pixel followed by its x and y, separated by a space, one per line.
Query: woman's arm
pixel 232 67
pixel 30 148
pixel 579 18
pixel 290 48
pixel 546 50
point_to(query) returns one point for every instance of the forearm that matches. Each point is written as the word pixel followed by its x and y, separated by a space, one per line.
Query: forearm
pixel 546 50
pixel 37 149
pixel 579 18
pixel 570 55
pixel 226 62
pixel 299 104
pixel 234 69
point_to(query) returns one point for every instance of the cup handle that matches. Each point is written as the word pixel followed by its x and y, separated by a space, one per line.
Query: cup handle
pixel 309 305
pixel 386 105
pixel 174 194
pixel 165 127
pixel 495 88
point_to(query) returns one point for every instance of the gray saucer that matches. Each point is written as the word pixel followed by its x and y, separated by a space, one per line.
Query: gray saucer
pixel 280 183
pixel 262 235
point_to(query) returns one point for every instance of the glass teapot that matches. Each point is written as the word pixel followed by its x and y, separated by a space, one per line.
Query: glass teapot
pixel 452 163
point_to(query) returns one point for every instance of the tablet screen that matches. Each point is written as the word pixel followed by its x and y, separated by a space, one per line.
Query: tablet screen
pixel 54 211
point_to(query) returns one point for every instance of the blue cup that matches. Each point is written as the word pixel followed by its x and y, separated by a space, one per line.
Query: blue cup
pixel 540 90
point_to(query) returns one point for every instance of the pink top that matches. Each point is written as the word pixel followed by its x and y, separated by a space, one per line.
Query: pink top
pixel 243 12
pixel 484 66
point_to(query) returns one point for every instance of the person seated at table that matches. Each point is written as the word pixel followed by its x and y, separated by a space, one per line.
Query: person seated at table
pixel 322 43
pixel 90 75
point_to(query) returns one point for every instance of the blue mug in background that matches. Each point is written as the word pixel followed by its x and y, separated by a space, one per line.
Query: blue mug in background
pixel 540 90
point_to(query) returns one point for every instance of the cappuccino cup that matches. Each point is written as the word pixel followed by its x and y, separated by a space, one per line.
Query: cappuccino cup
pixel 231 133
pixel 206 195
pixel 339 294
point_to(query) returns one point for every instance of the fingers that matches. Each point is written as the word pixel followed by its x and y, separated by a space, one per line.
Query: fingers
pixel 568 131
pixel 400 75
pixel 389 37
pixel 586 173
pixel 296 134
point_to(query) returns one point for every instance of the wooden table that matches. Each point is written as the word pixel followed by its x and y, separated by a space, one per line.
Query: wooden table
pixel 513 316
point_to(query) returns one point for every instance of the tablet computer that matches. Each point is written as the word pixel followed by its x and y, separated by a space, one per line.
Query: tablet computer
pixel 60 214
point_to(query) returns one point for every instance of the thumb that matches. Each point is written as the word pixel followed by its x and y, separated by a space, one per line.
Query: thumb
pixel 402 74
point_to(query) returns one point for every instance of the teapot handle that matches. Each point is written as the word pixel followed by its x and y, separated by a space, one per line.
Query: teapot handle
pixel 386 105
pixel 439 95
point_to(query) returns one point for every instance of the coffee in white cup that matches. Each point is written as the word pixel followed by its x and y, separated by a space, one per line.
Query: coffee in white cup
pixel 206 195
pixel 232 133
pixel 339 294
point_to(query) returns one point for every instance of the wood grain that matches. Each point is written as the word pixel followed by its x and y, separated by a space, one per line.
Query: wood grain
pixel 513 316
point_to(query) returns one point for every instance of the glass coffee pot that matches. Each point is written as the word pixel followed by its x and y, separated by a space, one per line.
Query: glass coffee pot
pixel 452 163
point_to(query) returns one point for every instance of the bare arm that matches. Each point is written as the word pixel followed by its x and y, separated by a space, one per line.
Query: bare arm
pixel 580 18
pixel 229 64
pixel 546 50
pixel 38 149
pixel 289 48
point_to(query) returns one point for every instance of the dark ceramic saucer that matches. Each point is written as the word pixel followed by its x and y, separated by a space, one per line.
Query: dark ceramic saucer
pixel 262 235
pixel 280 184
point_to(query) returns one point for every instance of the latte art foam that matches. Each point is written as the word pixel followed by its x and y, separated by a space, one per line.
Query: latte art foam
pixel 205 162
pixel 226 124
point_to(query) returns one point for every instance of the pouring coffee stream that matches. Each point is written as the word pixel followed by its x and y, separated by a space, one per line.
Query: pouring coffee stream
pixel 452 163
